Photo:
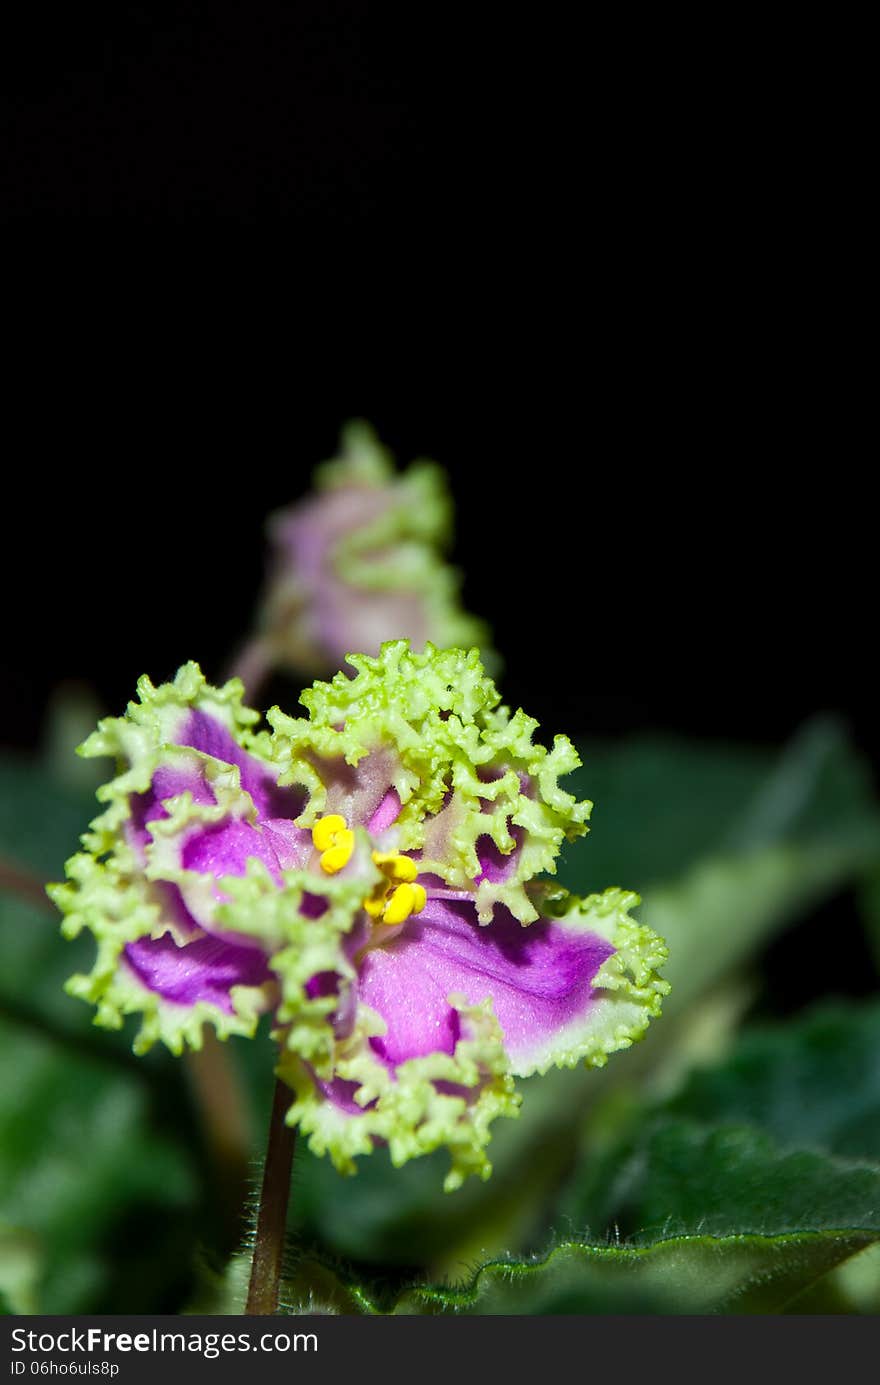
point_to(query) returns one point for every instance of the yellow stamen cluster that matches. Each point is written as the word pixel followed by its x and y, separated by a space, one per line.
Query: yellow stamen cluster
pixel 399 896
pixel 335 841
pixel 396 896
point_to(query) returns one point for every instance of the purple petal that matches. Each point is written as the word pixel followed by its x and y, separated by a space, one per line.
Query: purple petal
pixel 168 782
pixel 204 969
pixel 340 1093
pixel 539 979
pixel 206 734
pixel 225 848
pixel 203 732
pixel 496 865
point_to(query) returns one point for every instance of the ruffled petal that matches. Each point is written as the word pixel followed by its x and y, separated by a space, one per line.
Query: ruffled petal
pixel 546 982
pixel 204 969
pixel 184 737
pixel 506 817
pixel 437 1101
pixel 123 912
pixel 480 803
pixel 183 812
pixel 205 732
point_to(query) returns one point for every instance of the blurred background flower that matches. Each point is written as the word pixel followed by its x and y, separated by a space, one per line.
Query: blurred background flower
pixel 360 558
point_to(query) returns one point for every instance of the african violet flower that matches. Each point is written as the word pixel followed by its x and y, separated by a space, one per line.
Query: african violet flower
pixel 368 873
pixel 358 563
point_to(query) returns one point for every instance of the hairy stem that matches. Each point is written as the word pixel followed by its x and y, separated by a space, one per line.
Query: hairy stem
pixel 262 1296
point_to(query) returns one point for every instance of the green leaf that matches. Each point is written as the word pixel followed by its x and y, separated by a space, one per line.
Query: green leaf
pixel 691 1274
pixel 769 1160
pixel 683 1178
pixel 736 1194
pixel 809 1088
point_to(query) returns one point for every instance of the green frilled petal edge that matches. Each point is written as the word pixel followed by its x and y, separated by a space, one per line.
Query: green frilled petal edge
pixel 465 768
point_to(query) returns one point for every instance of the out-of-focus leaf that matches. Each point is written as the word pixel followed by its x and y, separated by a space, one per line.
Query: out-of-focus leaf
pixel 19 1271
pixel 221 1293
pixel 814 1084
pixel 727 845
pixel 90 1177
pixel 857 1282
pixel 86 1179
pixel 663 804
pixel 42 816
pixel 309 1285
pixel 41 821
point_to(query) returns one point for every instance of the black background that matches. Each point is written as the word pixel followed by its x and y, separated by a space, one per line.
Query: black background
pixel 638 567
pixel 565 266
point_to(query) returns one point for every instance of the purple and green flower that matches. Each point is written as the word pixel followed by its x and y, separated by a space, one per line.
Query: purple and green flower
pixel 370 875
pixel 359 561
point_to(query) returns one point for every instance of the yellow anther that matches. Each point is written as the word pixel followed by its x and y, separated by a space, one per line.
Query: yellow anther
pixel 401 868
pixel 335 842
pixel 339 854
pixel 395 897
pixel 405 900
pixel 399 906
pixel 325 830
pixel 375 905
pixel 421 898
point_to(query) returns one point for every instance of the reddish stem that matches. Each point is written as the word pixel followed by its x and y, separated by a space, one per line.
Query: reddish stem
pixel 265 1281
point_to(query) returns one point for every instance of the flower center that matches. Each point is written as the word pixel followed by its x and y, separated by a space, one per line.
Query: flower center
pixel 397 894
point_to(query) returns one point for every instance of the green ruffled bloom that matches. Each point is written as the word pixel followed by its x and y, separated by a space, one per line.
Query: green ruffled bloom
pixel 367 873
